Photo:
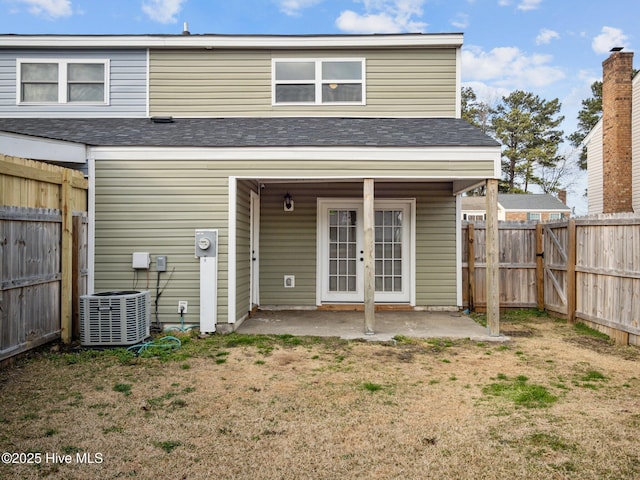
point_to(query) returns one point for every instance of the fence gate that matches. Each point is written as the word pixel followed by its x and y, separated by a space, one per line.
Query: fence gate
pixel 30 241
pixel 556 243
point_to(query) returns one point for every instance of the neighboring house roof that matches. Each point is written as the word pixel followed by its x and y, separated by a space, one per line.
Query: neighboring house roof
pixel 256 132
pixel 528 202
pixel 517 202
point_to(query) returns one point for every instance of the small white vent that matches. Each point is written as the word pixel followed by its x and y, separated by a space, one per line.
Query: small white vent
pixel 115 318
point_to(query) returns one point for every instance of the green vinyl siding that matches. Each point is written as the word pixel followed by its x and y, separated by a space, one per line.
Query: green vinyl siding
pixel 201 83
pixel 288 240
pixel 436 247
pixel 243 246
pixel 155 206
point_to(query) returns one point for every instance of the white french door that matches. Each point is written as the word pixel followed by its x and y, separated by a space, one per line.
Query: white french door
pixel 340 251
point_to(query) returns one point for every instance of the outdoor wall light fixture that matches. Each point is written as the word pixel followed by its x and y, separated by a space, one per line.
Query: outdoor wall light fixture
pixel 288 203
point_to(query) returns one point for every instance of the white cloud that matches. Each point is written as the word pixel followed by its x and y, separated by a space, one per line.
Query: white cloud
pixel 509 67
pixel 545 36
pixel 486 93
pixel 609 38
pixel 526 5
pixel 162 11
pixel 49 8
pixel 461 21
pixel 384 16
pixel 293 7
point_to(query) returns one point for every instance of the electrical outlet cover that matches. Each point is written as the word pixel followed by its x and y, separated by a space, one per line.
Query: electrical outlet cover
pixel 183 303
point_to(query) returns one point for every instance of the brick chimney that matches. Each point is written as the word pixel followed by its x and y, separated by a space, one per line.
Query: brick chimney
pixel 562 196
pixel 617 73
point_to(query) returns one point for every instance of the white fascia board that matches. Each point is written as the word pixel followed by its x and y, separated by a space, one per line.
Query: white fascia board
pixel 451 154
pixel 232 41
pixel 38 148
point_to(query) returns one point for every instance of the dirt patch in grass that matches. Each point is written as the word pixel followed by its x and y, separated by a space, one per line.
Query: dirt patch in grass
pixel 555 404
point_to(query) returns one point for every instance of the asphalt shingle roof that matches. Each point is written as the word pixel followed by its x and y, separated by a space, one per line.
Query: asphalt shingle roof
pixel 517 201
pixel 255 132
pixel 540 201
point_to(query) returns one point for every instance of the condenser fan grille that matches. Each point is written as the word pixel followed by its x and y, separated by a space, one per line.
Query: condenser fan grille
pixel 115 318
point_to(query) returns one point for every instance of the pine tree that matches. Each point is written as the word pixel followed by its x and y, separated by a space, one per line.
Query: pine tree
pixel 527 127
pixel 588 116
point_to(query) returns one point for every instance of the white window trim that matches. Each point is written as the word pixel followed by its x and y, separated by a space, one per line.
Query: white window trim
pixel 62 79
pixel 318 81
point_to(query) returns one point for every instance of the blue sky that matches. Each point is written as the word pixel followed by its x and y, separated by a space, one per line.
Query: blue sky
pixel 553 48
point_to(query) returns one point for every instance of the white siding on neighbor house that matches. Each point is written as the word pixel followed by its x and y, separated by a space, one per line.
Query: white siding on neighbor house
pixel 635 144
pixel 594 170
pixel 127 79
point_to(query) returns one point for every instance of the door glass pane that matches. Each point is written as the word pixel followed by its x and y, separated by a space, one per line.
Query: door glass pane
pixel 342 251
pixel 388 250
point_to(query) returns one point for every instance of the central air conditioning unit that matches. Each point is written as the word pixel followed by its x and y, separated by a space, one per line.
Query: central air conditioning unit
pixel 115 318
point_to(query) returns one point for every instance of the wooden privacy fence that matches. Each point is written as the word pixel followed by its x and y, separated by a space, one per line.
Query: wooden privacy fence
pixel 519 274
pixel 587 269
pixel 37 254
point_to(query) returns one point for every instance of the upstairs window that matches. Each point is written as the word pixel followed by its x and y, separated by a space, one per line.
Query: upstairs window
pixel 62 81
pixel 318 81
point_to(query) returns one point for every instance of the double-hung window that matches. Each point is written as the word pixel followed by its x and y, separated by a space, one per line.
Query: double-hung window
pixel 62 81
pixel 318 81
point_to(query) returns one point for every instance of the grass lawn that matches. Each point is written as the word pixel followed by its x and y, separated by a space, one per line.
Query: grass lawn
pixel 557 402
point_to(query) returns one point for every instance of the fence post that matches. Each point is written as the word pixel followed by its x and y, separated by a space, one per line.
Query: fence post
pixel 571 272
pixel 75 277
pixel 539 267
pixel 471 262
pixel 66 264
pixel 493 268
pixel 368 256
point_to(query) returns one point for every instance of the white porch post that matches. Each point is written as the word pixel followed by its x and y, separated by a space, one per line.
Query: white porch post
pixel 368 257
pixel 493 271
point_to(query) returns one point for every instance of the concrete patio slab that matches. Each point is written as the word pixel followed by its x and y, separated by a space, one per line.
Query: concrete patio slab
pixel 350 325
